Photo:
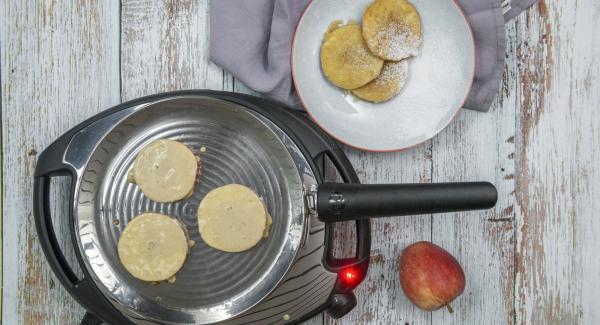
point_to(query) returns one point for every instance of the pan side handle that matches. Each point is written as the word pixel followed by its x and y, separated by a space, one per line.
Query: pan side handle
pixel 83 290
pixel 353 270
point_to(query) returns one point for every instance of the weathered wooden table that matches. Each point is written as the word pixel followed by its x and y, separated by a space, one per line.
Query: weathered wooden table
pixel 531 260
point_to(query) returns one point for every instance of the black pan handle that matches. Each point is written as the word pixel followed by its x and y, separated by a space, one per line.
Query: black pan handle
pixel 342 201
pixel 83 290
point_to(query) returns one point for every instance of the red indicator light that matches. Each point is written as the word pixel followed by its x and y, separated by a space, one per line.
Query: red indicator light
pixel 350 276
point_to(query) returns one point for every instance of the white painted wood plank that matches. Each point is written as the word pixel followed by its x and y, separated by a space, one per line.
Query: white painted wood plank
pixel 380 298
pixel 558 178
pixel 480 147
pixel 60 65
pixel 165 47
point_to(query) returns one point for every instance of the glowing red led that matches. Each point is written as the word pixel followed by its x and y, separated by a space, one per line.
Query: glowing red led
pixel 349 275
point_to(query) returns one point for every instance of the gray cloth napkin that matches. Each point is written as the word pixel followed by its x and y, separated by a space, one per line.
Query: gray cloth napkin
pixel 252 40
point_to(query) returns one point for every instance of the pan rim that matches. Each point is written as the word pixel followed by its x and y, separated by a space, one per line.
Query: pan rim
pixel 80 243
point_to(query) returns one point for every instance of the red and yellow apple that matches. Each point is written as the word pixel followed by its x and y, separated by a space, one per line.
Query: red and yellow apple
pixel 430 277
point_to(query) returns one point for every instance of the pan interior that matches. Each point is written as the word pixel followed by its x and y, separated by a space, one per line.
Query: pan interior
pixel 234 147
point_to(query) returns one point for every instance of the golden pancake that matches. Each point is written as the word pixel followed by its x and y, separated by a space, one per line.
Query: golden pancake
pixel 232 218
pixel 392 29
pixel 153 247
pixel 387 85
pixel 165 170
pixel 345 59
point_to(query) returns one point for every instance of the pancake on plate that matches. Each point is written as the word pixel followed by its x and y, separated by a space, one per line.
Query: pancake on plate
pixel 387 85
pixel 392 29
pixel 345 59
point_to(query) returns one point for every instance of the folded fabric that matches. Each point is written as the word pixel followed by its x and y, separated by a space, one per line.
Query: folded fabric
pixel 515 7
pixel 252 39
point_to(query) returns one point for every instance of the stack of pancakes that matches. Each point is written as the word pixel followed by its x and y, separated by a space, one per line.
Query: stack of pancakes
pixel 370 59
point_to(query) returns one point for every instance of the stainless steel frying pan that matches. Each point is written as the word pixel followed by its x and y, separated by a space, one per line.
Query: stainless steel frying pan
pixel 236 145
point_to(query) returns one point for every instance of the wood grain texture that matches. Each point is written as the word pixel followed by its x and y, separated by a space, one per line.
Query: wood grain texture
pixel 529 261
pixel 479 147
pixel 558 180
pixel 59 66
pixel 380 298
pixel 164 47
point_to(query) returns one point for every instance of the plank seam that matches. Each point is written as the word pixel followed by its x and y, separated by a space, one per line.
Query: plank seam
pixel 515 171
pixel 121 51
pixel 1 185
pixel 515 166
pixel 430 149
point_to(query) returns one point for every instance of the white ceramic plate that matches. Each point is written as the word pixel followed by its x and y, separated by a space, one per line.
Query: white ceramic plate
pixel 439 78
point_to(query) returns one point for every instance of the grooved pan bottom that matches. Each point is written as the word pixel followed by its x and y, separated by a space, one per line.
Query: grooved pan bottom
pixel 234 147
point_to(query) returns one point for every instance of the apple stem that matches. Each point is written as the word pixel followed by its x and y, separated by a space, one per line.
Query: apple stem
pixel 450 310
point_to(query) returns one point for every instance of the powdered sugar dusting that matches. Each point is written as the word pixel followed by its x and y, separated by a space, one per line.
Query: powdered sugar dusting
pixel 392 79
pixel 359 57
pixel 393 73
pixel 397 41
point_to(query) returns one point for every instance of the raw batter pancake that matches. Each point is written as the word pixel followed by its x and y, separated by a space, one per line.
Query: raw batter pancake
pixel 268 225
pixel 153 247
pixel 165 170
pixel 386 85
pixel 232 218
pixel 392 29
pixel 346 60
